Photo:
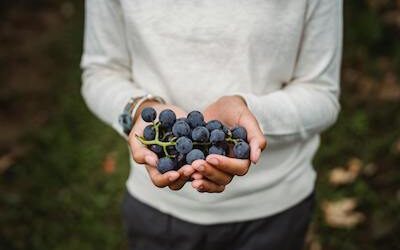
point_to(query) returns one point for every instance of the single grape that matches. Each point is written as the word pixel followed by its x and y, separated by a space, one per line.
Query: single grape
pixel 239 133
pixel 167 118
pixel 193 155
pixel 224 145
pixel 172 150
pixel 149 133
pixel 166 164
pixel 241 150
pixel 157 149
pixel 184 145
pixel 182 119
pixel 149 114
pixel 213 124
pixel 216 150
pixel 181 128
pixel 200 134
pixel 195 119
pixel 217 136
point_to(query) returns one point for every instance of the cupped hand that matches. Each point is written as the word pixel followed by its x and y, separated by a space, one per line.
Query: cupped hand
pixel 231 111
pixel 175 180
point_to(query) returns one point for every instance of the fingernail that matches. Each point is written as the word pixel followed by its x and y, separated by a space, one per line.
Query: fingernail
pixel 199 168
pixel 257 156
pixel 213 161
pixel 173 177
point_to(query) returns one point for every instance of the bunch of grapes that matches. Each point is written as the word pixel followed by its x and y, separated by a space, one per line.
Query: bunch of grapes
pixel 180 141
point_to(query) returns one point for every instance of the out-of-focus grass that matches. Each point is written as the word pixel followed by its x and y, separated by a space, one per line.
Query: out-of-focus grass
pixel 59 196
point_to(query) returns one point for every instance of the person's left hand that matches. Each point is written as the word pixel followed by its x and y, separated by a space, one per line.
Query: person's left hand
pixel 219 170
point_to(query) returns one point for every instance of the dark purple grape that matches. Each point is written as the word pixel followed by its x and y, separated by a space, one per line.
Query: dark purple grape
pixel 213 124
pixel 167 118
pixel 200 134
pixel 172 150
pixel 193 155
pixel 216 150
pixel 157 149
pixel 181 128
pixel 184 119
pixel 149 114
pixel 195 119
pixel 241 150
pixel 239 133
pixel 184 145
pixel 217 136
pixel 166 164
pixel 149 133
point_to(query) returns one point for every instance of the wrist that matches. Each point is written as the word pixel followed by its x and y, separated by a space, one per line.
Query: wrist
pixel 145 104
pixel 233 100
pixel 133 109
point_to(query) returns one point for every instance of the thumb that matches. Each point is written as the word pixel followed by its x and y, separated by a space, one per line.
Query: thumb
pixel 255 136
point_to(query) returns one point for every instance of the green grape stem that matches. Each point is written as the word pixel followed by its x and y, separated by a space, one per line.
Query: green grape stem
pixel 164 145
pixel 231 140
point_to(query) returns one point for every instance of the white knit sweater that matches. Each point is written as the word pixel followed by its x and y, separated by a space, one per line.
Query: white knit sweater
pixel 282 56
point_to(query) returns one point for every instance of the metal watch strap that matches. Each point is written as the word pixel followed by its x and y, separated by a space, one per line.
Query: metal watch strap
pixel 126 118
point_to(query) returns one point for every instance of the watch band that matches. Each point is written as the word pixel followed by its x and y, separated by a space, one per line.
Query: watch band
pixel 128 114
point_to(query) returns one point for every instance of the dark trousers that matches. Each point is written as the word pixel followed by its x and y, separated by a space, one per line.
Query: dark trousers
pixel 150 229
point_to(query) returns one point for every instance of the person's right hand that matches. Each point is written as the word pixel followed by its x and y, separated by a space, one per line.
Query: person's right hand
pixel 175 180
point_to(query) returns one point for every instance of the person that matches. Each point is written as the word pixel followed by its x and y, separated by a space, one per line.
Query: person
pixel 270 66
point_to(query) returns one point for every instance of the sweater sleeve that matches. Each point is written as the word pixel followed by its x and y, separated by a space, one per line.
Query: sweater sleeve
pixel 107 81
pixel 308 104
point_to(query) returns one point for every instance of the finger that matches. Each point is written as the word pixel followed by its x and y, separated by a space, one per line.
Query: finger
pixel 211 173
pixel 255 151
pixel 187 170
pixel 197 176
pixel 161 180
pixel 178 184
pixel 229 165
pixel 207 186
pixel 141 154
pixel 254 135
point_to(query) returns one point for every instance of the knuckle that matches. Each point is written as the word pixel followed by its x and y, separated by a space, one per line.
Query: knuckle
pixel 263 143
pixel 220 189
pixel 157 183
pixel 228 180
pixel 136 156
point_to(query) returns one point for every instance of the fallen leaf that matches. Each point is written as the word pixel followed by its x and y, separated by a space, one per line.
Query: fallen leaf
pixel 396 147
pixel 354 166
pixel 109 163
pixel 389 90
pixel 341 214
pixel 370 169
pixel 312 239
pixel 5 162
pixel 340 176
pixel 315 245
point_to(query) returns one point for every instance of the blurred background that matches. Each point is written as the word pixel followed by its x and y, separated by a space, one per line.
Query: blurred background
pixel 62 171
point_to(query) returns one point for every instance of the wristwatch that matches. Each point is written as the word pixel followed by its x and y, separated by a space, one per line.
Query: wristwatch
pixel 125 119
